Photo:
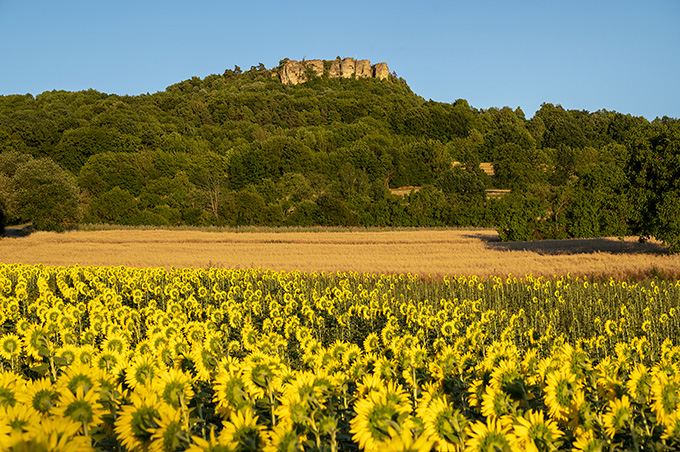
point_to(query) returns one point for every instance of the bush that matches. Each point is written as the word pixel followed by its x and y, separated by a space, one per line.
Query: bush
pixel 116 206
pixel 45 195
pixel 2 220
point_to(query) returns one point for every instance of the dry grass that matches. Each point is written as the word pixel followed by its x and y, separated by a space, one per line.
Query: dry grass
pixel 405 190
pixel 435 252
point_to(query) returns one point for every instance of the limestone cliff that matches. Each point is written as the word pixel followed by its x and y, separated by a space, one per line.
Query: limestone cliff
pixel 294 72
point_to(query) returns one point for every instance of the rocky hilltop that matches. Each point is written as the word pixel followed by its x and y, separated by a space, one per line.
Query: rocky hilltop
pixel 294 72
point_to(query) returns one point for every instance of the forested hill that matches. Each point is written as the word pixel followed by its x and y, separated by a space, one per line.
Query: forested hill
pixel 243 148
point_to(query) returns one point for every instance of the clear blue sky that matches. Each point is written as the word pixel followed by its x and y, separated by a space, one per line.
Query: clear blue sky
pixel 586 55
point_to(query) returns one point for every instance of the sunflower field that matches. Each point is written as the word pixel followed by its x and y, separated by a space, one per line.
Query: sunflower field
pixel 125 359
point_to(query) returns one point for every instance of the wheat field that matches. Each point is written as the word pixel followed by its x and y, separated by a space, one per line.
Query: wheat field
pixel 422 252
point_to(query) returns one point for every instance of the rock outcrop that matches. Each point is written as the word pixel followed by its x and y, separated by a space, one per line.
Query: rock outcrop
pixel 363 69
pixel 294 72
pixel 381 71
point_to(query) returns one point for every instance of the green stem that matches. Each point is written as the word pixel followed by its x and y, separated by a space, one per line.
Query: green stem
pixel 53 370
pixel 633 433
pixel 270 393
pixel 415 386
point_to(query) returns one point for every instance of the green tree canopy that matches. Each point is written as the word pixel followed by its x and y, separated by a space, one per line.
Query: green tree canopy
pixel 46 195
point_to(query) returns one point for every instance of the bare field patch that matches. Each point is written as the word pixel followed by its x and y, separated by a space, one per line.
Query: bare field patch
pixel 424 252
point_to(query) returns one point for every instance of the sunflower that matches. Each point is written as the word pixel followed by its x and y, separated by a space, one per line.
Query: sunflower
pixel 507 377
pixel 22 326
pixel 144 347
pixel 205 362
pixel 110 392
pixel 214 444
pixel 260 375
pixel 85 354
pixel 138 421
pixel 445 365
pixel 214 342
pixel 81 407
pixel 174 387
pixel 534 433
pixel 242 431
pixel 444 425
pixel 609 386
pixel 10 346
pixel 497 403
pixel 371 343
pixel 618 415
pixel 587 442
pixel 284 438
pixel 665 396
pixel 563 394
pixel 476 391
pixel 494 435
pixel 36 341
pixel 79 375
pixel 19 418
pixel 171 433
pixel 11 385
pixel 117 343
pixel 141 370
pixel 380 415
pixel 68 353
pixel 52 434
pixel 304 399
pixel 110 362
pixel 385 368
pixel 39 394
pixel 405 442
pixel 672 427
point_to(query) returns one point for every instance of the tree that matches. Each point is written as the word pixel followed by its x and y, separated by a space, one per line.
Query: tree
pixel 458 181
pixel 116 206
pixel 654 176
pixel 517 168
pixel 46 195
pixel 522 217
pixel 2 218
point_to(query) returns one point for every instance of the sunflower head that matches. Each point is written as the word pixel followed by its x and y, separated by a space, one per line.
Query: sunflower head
pixel 380 416
pixel 141 371
pixel 11 386
pixel 444 425
pixel 665 395
pixel 242 431
pixel 117 343
pixel 230 392
pixel 36 341
pixel 618 416
pixel 563 394
pixel 170 435
pixel 39 394
pixel 174 387
pixel 10 346
pixel 79 375
pixel 81 407
pixel 497 403
pixel 533 432
pixel 284 438
pixel 139 420
pixel 588 442
pixel 19 417
pixel 494 435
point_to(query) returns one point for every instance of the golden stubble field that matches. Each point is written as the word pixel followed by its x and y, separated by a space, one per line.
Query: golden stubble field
pixel 424 252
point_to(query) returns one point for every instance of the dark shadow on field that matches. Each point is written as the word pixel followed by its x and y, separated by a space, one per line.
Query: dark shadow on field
pixel 574 246
pixel 22 230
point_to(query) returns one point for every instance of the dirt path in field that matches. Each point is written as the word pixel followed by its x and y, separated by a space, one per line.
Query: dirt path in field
pixel 423 252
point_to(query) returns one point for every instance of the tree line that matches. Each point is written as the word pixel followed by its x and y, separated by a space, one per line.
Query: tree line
pixel 241 148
